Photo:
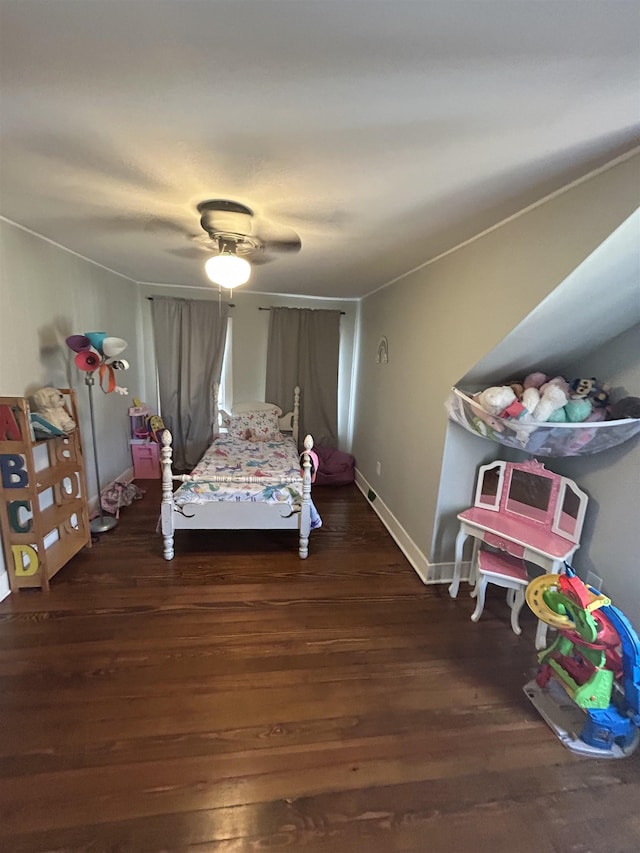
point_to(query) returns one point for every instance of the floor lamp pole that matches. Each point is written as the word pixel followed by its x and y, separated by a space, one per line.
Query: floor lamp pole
pixel 103 522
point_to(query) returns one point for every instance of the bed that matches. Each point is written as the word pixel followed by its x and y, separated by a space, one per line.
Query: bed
pixel 251 477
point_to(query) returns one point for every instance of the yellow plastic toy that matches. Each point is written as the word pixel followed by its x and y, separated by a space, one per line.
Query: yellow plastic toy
pixel 534 596
pixel 549 583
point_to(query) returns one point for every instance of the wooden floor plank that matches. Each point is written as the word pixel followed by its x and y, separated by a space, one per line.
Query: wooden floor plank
pixel 238 699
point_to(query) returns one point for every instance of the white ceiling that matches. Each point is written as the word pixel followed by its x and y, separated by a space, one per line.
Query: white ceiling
pixel 384 133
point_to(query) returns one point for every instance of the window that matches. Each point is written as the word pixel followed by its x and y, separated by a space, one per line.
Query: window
pixel 225 400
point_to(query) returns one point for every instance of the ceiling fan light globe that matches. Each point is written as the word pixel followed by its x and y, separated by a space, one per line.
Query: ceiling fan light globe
pixel 228 270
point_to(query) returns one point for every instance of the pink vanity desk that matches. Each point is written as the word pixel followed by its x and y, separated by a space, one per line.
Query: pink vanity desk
pixel 527 511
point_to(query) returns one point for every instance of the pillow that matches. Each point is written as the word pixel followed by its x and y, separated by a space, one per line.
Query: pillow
pixel 252 436
pixel 256 426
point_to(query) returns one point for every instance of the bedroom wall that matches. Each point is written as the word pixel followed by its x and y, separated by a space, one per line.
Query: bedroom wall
pixel 250 328
pixel 611 536
pixel 46 294
pixel 562 344
pixel 440 321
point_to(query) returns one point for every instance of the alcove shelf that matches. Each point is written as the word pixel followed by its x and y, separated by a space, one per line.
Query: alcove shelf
pixel 43 496
pixel 545 439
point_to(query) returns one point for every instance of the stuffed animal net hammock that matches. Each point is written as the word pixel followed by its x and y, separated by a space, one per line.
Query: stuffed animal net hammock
pixel 544 439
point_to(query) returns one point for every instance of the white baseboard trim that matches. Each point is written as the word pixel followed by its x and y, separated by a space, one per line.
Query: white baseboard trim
pixel 5 590
pixel 125 477
pixel 429 573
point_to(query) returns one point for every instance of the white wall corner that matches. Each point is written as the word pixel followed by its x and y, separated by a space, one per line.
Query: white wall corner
pixel 429 573
pixel 4 585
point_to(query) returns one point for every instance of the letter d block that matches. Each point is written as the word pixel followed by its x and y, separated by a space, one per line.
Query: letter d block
pixel 23 570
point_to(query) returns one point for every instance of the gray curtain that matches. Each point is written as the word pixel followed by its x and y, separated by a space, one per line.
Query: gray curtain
pixel 303 349
pixel 189 343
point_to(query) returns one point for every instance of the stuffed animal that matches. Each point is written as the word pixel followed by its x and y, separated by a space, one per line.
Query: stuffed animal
pixel 598 415
pixel 535 380
pixel 599 396
pixel 582 387
pixel 517 388
pixel 486 425
pixel 541 407
pixel 578 410
pixel 627 407
pixel 561 382
pixel 49 404
pixel 496 399
pixel 589 389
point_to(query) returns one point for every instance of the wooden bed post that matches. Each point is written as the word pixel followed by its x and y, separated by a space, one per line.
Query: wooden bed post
pixel 305 509
pixel 166 508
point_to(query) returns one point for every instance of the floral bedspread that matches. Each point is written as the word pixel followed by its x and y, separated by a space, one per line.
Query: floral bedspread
pixel 254 471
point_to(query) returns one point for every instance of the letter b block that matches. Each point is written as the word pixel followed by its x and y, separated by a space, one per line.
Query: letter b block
pixel 12 471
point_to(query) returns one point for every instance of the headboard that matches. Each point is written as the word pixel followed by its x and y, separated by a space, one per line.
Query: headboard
pixel 287 423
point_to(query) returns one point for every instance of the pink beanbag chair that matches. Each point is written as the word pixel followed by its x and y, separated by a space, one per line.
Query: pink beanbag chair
pixel 336 468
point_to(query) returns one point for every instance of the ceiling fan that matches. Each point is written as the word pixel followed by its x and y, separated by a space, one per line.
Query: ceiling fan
pixel 239 241
pixel 229 223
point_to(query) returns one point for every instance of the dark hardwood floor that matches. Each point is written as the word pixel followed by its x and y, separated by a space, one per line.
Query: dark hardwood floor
pixel 240 700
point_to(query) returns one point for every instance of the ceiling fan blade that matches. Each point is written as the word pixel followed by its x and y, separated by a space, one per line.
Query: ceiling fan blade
pixel 259 259
pixel 200 253
pixel 158 224
pixel 285 245
pixel 314 216
pixel 276 238
pixel 291 246
pixel 140 223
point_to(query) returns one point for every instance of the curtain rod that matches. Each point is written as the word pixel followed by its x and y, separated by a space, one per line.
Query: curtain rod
pixel 229 304
pixel 313 309
pixel 232 305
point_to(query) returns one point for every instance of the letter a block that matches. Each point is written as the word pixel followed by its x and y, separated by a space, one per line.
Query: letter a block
pixel 9 429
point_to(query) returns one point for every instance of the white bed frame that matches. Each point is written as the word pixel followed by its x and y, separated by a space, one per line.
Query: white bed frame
pixel 236 515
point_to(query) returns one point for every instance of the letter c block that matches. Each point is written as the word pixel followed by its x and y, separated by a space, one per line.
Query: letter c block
pixel 13 511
